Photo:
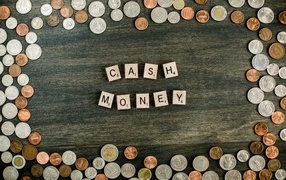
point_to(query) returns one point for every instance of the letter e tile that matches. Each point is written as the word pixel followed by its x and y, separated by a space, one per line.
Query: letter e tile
pixel 160 98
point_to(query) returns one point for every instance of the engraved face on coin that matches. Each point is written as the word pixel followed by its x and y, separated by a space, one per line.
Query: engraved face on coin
pixel 256 3
pixel 97 25
pixel 210 175
pixel 266 108
pixel 265 15
pixel 179 162
pixel 69 157
pixel 98 163
pixel 280 174
pixel 159 15
pixel 256 147
pixel 256 163
pixel 112 170
pixel 227 162
pixel 130 152
pixel 243 155
pixel 150 162
pixel 163 171
pixel 237 17
pixel 252 75
pixel 265 174
pixel 128 170
pixel 109 152
pixel 273 165
pixel 233 174
pixel 255 95
pixel 260 62
pixel 267 83
pixel 201 163
pixel 23 6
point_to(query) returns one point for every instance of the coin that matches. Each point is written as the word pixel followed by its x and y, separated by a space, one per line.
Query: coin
pixel 159 15
pixel 202 16
pixel 237 17
pixel 112 170
pixel 9 111
pixel 249 175
pixel 141 23
pixel 101 177
pixel 114 4
pixel 78 4
pixel 97 25
pixel 179 162
pixel 5 143
pixel 200 163
pixel 233 174
pixel 187 13
pixel 265 174
pixel 31 38
pixel 150 4
pixel 218 13
pixel 165 3
pixel 43 157
pixel 81 16
pixel 37 23
pixel 128 170
pixel 23 6
pixel 252 75
pixel 267 83
pixel 57 4
pixel 144 174
pixel 18 161
pixel 65 170
pixel 273 69
pixel 11 23
pixel 76 174
pixel 276 51
pixel 22 29
pixel 37 170
pixel 215 153
pixel 256 4
pixel 150 162
pixel 202 2
pixel 53 20
pixel 255 95
pixel 29 152
pixel 269 139
pixel 46 9
pixel 266 108
pixel 210 175
pixel 116 15
pixel 96 9
pixel 14 47
pixel 66 11
pixel 227 162
pixel 260 129
pixel 265 34
pixel 272 152
pixel 163 171
pixel 281 37
pixel 282 73
pixel 55 159
pixel 4 12
pixel 16 146
pixel 7 128
pixel 69 157
pixel 27 91
pixel 265 15
pixel 282 17
pixel 179 4
pixel 51 172
pixel 195 175
pixel 256 147
pixel 22 130
pixel 6 157
pixel 283 103
pixel 98 163
pixel 21 59
pixel 243 155
pixel 273 165
pixel 256 163
pixel 280 174
pixel 24 115
pixel 255 46
pixel 131 9
pixel 260 62
pixel 90 172
pixel 81 164
pixel 278 117
pixel 15 70
pixel 130 152
pixel 68 23
pixel 253 24
pixel 174 17
pixel 109 152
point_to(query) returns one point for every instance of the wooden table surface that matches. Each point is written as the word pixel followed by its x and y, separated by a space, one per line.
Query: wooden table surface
pixel 212 59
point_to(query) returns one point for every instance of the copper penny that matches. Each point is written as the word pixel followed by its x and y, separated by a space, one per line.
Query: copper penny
pixel 201 2
pixel 57 4
pixel 27 91
pixel 272 152
pixel 265 34
pixel 53 20
pixel 141 23
pixel 265 174
pixel 260 129
pixel 215 153
pixel 253 24
pixel 15 70
pixel 269 139
pixel 202 16
pixel 276 51
pixel 55 159
pixel 26 178
pixel 273 165
pixel 43 158
pixel 22 29
pixel 65 170
pixel 187 13
pixel 21 59
pixel 256 147
pixel 16 146
pixel 278 117
pixel 37 170
pixel 283 103
pixel 24 115
pixel 150 162
pixel 195 175
pixel 4 12
pixel 66 11
pixel 282 17
pixel 100 177
pixel 81 164
pixel 130 152
pixel 29 152
pixel 150 4
pixel 252 75
pixel 237 17
pixel 35 138
pixel 249 175
pixel 81 16
pixel 21 102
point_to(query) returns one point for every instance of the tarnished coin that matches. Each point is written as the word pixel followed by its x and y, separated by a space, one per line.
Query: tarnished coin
pixel 256 3
pixel 252 75
pixel 97 25
pixel 276 50
pixel 159 15
pixel 131 9
pixel 69 157
pixel 81 163
pixel 232 174
pixel 200 163
pixel 179 162
pixel 16 146
pixel 144 174
pixel 242 155
pixel 256 147
pixel 227 162
pixel 150 162
pixel 265 174
pixel 90 173
pixel 78 4
pixel 267 83
pixel 273 165
pixel 278 117
pixel 210 175
pixel 98 163
pixel 282 17
pixel 249 175
pixel 266 108
pixel 215 153
pixel 273 69
pixel 81 16
pixel 283 103
pixel 218 13
pixel 128 170
pixel 112 170
pixel 202 16
pixel 65 170
pixel 237 17
pixel 280 174
pixel 255 46
pixel 253 24
pixel 109 152
pixel 265 15
pixel 51 172
pixel 14 70
pixel 255 95
pixel 23 6
pixel 141 23
pixel 53 20
pixel 265 34
pixel 96 9
pixel 163 172
pixel 236 3
pixel 256 163
pixel 260 62
pixel 281 37
pixel 29 152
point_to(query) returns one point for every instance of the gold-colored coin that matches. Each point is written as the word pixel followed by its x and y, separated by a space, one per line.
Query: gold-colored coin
pixel 201 2
pixel 265 174
pixel 37 170
pixel 283 103
pixel 16 146
pixel 29 152
pixel 144 174
pixel 215 152
pixel 273 165
pixel 276 50
pixel 179 4
pixel 265 34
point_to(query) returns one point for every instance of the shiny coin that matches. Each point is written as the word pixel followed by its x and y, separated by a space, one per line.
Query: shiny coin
pixel 283 103
pixel 14 47
pixel 5 12
pixel 23 6
pixel 215 153
pixel 141 23
pixel 57 4
pixel 16 146
pixel 163 172
pixel 276 51
pixel 2 98
pixel 81 164
pixel 11 23
pixel 233 174
pixel 265 34
pixel 27 91
pixel 282 17
pixel 10 173
pixel 187 13
pixel 68 23
pixel 69 157
pixel 242 155
pixel 130 152
pixel 65 170
pixel 90 173
pixel 6 157
pixel 174 17
pixel 253 24
pixel 165 3
pixel 218 13
pixel 255 95
pixel 9 111
pixel 265 174
pixel 116 15
pixel 195 175
pixel 179 162
pixel 46 9
pixel 256 147
pixel 282 134
pixel 280 174
pixel 43 158
pixel 7 128
pixel 67 11
pixel 23 79
pixel 37 23
pixel 236 3
pixel 31 38
pixel 255 46
pixel 256 3
pixel 2 50
pixel 201 163
pixel 98 163
pixel 18 161
pixel 260 129
pixel 97 25
pixel 273 69
pixel 128 170
pixel 35 138
pixel 55 159
pixel 227 162
pixel 180 176
pixel 5 143
pixel 1 68
pixel 265 15
pixel 51 172
pixel 252 75
pixel 202 2
pixel 3 35
pixel 150 4
pixel 159 15
pixel 256 163
pixel 29 152
pixel 34 51
pixel 269 139
pixel 202 16
pixel 150 162
pixel 53 20
pixel 273 165
pixel 260 62
pixel 237 17
pixel 131 9
pixel 272 152
pixel 112 170
pixel 78 4
pixel 281 37
pixel 249 175
pixel 8 60
pixel 114 4
pixel 76 175
pixel 210 175
pixel 103 177
pixel 109 152
pixel 179 4
pixel 81 16
pixel 282 73
pixel 96 9
pixel 267 83
pixel 266 108
pixel 280 90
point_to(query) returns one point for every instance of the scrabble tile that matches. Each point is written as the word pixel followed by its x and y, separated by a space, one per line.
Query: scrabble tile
pixel 160 98
pixel 170 70
pixel 179 97
pixel 106 99
pixel 113 73
pixel 142 101
pixel 131 71
pixel 123 102
pixel 150 71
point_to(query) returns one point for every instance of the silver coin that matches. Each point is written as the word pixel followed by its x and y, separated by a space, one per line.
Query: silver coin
pixel 76 175
pixel 6 157
pixel 210 175
pixel 22 130
pixel 109 152
pixel 174 17
pixel 163 172
pixel 233 175
pixel 267 83
pixel 90 172
pixel 96 9
pixel 51 173
pixel 180 176
pixel 243 155
pixel 11 92
pixel 23 6
pixel 280 174
pixel 256 163
pixel 282 134
pixel 46 9
pixel 14 47
pixel 31 38
pixel 116 15
pixel 260 62
pixel 33 51
pixel 236 3
pixel 165 3
pixel 282 73
pixel 97 25
pixel 1 67
pixel 3 35
pixel 280 90
pixel 201 163
pixel 2 98
pixel 8 60
pixel 114 4
pixel 11 23
pixel 98 163
pixel 179 162
pixel 7 80
pixel 68 23
pixel 112 170
pixel 69 157
pixel 9 111
pixel 134 178
pixel 265 15
pixel 159 15
pixel 266 108
pixel 256 3
pixel 227 162
pixel 10 173
pixel 4 143
pixel 218 13
pixel 131 9
pixel 273 69
pixel 2 50
pixel 18 158
pixel 8 128
pixel 128 170
pixel 23 79
pixel 78 4
pixel 37 23
pixel 255 95
pixel 255 46
pixel 281 37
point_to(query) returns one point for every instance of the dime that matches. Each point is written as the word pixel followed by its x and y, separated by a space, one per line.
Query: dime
pixel 78 4
pixel 116 15
pixel 256 163
pixel 276 51
pixel 265 34
pixel 280 174
pixel 256 3
pixel 174 17
pixel 180 176
pixel 16 146
pixel 179 162
pixel 114 4
pixel 236 3
pixel 11 23
pixel 76 175
pixel 98 163
pixel 163 172
pixel 90 173
pixel 46 9
pixel 109 152
pixel 281 37
pixel 256 147
pixel 6 157
pixel 4 142
pixel 165 3
pixel 68 23
pixel 243 155
pixel 8 60
pixel 37 23
pixel 31 38
pixel 282 73
pixel 282 135
pixel 23 79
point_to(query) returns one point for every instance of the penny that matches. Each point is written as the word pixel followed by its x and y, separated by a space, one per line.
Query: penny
pixel 283 103
pixel 24 115
pixel 195 175
pixel 256 147
pixel 16 146
pixel 269 139
pixel 66 11
pixel 260 129
pixel 278 117
pixel 202 16
pixel 29 152
pixel 215 153
pixel 26 178
pixel 201 2
pixel 53 20
pixel 249 175
pixel 150 162
pixel 65 170
pixel 265 174
pixel 55 159
pixel 4 12
pixel 81 16
pixel 273 165
pixel 187 13
pixel 144 173
pixel 37 170
pixel 252 75
pixel 21 102
pixel 35 138
pixel 272 152
pixel 141 23
pixel 276 51
pixel 265 34
pixel 282 17
pixel 150 4
pixel 22 29
pixel 57 4
pixel 253 24
pixel 81 164
pixel 15 70
pixel 237 17
pixel 21 59
pixel 130 152
pixel 100 177
pixel 27 91
pixel 43 158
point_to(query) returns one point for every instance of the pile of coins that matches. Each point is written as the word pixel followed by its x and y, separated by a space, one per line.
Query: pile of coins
pixel 14 101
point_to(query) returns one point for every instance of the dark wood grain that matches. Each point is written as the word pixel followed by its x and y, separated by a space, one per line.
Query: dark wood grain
pixel 212 60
